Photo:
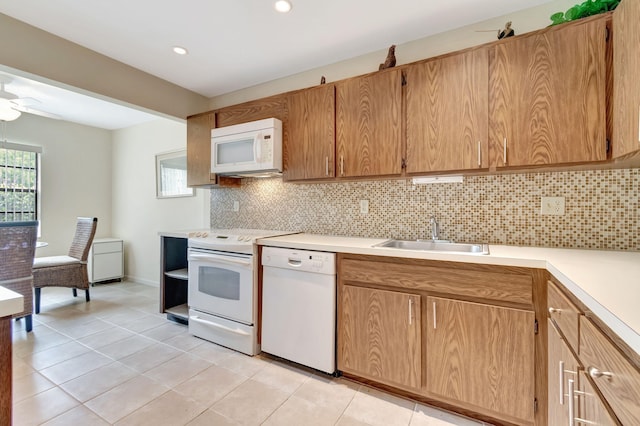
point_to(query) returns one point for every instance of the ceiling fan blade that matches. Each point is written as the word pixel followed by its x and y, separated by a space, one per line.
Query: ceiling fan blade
pixel 25 102
pixel 36 112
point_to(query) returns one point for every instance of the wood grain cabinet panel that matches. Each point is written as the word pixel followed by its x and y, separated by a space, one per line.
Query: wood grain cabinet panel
pixel 271 107
pixel 309 152
pixel 379 336
pixel 199 150
pixel 481 355
pixel 613 375
pixel 447 113
pixel 570 392
pixel 369 125
pixel 626 84
pixel 564 314
pixel 502 285
pixel 591 410
pixel 562 367
pixel 548 96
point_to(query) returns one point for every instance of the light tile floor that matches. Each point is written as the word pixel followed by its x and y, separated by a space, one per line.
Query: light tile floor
pixel 116 360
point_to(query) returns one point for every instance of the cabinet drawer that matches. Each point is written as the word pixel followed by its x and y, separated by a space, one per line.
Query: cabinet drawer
pixel 472 283
pixel 616 378
pixel 564 314
pixel 110 247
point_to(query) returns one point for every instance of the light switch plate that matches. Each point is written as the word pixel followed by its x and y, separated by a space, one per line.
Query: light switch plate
pixel 552 206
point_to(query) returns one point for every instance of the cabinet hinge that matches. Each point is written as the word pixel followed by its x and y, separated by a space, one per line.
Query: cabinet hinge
pixel 535 326
pixel 404 164
pixel 535 405
pixel 404 79
pixel 608 146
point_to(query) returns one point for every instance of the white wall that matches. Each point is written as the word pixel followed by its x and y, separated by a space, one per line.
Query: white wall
pixel 450 41
pixel 138 215
pixel 75 178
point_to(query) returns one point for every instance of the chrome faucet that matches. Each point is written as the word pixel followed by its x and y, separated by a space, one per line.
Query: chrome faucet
pixel 435 228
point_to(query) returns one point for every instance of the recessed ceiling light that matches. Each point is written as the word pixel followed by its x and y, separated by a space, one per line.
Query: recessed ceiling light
pixel 283 6
pixel 180 50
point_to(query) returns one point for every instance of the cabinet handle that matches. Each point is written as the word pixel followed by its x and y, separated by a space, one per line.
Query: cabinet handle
pixel 571 401
pixel 561 374
pixel 555 310
pixel 410 311
pixel 326 166
pixel 504 153
pixel 434 315
pixel 580 419
pixel 342 165
pixel 479 155
pixel 596 374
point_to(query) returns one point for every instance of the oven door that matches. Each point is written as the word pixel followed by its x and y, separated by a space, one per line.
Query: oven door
pixel 221 284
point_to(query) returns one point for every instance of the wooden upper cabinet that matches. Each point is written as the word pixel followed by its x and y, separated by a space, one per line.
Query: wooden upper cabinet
pixel 309 152
pixel 271 107
pixel 369 125
pixel 199 150
pixel 548 96
pixel 481 355
pixel 447 113
pixel 626 84
pixel 379 336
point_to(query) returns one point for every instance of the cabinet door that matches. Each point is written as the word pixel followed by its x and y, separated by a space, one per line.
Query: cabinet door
pixel 562 367
pixel 379 336
pixel 368 125
pixel 481 355
pixel 447 113
pixel 199 150
pixel 591 410
pixel 309 152
pixel 626 85
pixel 547 97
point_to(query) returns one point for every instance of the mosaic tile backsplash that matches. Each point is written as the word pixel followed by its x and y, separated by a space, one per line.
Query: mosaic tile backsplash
pixel 602 208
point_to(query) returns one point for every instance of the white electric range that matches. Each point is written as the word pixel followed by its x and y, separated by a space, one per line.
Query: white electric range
pixel 223 286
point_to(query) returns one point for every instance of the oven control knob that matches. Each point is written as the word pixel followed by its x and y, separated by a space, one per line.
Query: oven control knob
pixel 204 234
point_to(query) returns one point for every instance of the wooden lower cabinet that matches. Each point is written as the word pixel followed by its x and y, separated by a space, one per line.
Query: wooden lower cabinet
pixel 572 398
pixel 483 356
pixel 379 336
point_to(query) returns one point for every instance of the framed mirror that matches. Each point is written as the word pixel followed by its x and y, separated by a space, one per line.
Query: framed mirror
pixel 171 175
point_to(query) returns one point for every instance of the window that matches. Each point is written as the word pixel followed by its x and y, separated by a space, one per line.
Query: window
pixel 171 175
pixel 19 175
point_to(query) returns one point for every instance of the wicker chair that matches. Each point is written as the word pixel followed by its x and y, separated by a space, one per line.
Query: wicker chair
pixel 67 271
pixel 17 248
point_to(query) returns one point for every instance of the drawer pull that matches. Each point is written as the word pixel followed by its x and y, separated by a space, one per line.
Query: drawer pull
pixel 572 412
pixel 555 310
pixel 596 374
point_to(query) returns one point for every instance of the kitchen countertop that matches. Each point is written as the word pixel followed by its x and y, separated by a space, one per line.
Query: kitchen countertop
pixel 607 282
pixel 10 302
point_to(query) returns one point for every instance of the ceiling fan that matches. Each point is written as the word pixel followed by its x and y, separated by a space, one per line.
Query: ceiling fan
pixel 12 106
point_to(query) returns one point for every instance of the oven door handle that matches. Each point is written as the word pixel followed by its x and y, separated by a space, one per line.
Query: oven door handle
pixel 218 326
pixel 217 258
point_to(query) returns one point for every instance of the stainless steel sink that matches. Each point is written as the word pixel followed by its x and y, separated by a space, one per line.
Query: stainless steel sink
pixel 440 246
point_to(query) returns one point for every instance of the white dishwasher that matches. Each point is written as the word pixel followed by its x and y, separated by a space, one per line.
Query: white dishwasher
pixel 299 306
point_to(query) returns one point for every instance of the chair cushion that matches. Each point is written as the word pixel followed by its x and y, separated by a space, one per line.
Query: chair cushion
pixel 50 261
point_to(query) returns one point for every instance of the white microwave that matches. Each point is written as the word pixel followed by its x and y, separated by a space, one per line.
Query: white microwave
pixel 247 149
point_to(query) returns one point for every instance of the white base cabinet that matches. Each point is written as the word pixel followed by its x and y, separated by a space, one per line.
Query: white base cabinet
pixel 105 260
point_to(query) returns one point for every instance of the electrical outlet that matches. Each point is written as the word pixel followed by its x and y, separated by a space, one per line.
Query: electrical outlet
pixel 364 206
pixel 236 206
pixel 552 206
